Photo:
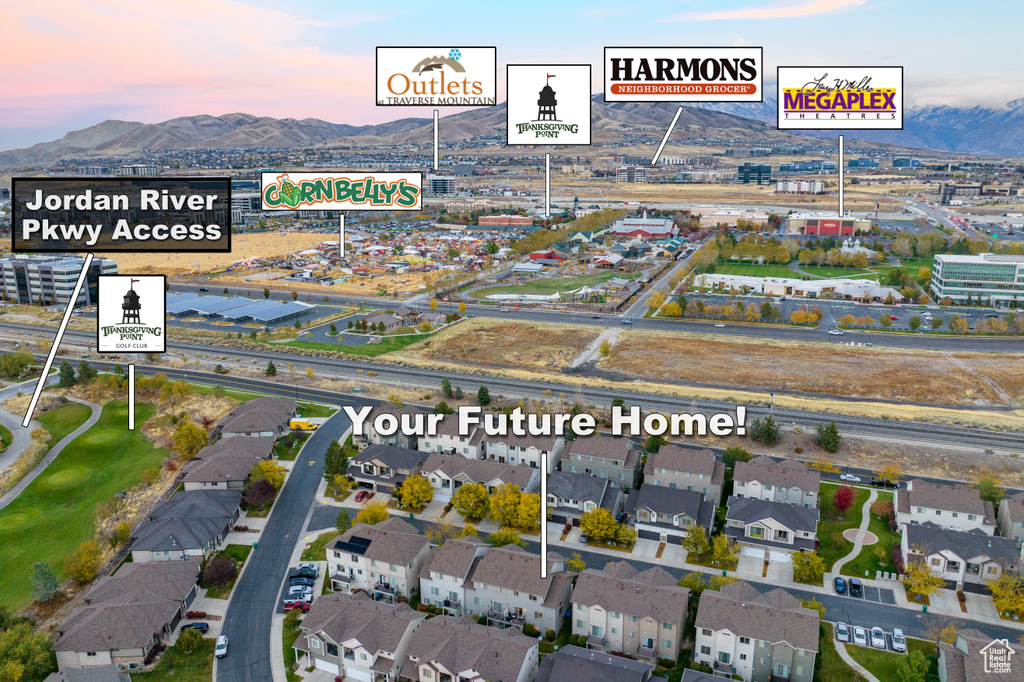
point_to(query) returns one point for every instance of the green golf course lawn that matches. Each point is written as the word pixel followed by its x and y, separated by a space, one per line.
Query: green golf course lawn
pixel 56 512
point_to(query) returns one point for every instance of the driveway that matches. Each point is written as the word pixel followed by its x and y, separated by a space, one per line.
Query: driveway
pixel 22 436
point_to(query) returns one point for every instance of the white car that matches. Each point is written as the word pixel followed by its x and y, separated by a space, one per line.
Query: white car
pixel 221 650
pixel 720 325
pixel 878 638
pixel 860 636
pixel 849 478
pixel 842 632
pixel 899 642
pixel 835 332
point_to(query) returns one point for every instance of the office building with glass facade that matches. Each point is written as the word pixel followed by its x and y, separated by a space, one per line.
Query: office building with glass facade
pixel 994 279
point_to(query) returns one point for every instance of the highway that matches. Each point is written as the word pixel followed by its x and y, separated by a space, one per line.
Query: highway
pixel 906 430
pixel 920 341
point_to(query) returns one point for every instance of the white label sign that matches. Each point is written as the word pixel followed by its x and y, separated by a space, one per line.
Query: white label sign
pixel 131 314
pixel 840 97
pixel 682 74
pixel 329 191
pixel 436 76
pixel 548 104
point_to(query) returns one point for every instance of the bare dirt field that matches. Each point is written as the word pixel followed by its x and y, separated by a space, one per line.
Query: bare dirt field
pixel 243 246
pixel 883 373
pixel 406 283
pixel 511 344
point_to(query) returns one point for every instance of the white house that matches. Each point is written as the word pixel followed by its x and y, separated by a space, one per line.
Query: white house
pixel 958 507
pixel 384 559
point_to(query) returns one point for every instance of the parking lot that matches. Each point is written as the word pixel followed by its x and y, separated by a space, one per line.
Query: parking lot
pixel 849 641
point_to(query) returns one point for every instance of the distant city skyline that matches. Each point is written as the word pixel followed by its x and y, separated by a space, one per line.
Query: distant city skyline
pixel 73 65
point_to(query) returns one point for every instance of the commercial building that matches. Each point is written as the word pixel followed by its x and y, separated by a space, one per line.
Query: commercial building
pixel 989 277
pixel 906 163
pixel 644 228
pixel 799 186
pixel 50 280
pixel 504 220
pixel 759 173
pixel 440 185
pixel 138 169
pixel 631 174
pixel 826 224
pixel 862 163
pixel 819 166
pixel 849 289
pixel 732 216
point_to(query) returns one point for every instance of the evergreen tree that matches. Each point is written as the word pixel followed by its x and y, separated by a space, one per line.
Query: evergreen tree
pixel 335 461
pixel 828 437
pixel 446 386
pixel 86 372
pixel 458 393
pixel 483 396
pixel 765 430
pixel 44 582
pixel 66 375
pixel 271 369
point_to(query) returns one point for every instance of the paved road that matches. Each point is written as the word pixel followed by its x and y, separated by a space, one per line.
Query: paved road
pixel 247 623
pixel 21 436
pixel 13 493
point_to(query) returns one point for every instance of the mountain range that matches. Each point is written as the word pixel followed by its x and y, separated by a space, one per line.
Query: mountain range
pixel 997 131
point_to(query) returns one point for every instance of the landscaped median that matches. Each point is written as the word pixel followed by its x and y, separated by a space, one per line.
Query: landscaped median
pixel 871 559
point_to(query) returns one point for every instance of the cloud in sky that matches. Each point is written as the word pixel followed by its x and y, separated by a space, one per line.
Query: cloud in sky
pixel 772 10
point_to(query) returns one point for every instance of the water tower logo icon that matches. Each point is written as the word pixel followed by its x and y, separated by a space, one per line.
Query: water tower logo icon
pixel 131 306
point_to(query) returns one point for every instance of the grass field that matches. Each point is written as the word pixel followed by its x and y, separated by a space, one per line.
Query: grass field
pixel 289 453
pixel 241 396
pixel 62 421
pixel 885 373
pixel 237 554
pixel 288 637
pixel 754 270
pixel 175 666
pixel 836 272
pixel 55 513
pixel 885 665
pixel 6 438
pixel 866 560
pixel 833 668
pixel 549 285
pixel 314 410
pixel 386 345
pixel 831 527
pixel 316 550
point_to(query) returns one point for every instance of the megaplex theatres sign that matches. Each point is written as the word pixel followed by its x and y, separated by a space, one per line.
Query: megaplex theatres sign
pixel 840 98
pixel 436 76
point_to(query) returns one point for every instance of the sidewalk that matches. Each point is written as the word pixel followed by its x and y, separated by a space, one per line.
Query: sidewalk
pixel 858 542
pixel 857 667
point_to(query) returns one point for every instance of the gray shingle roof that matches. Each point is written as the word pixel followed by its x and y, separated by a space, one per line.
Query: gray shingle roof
pixel 98 673
pixel 215 504
pixel 793 517
pixel 191 519
pixel 774 616
pixel 787 473
pixel 478 470
pixel 570 486
pixel 392 541
pixel 672 501
pixel 620 587
pixel 377 626
pixel 575 663
pixel 676 458
pixel 929 539
pixel 393 456
pixel 460 645
pixel 261 414
pixel 454 558
pixel 958 498
pixel 1015 507
pixel 598 445
pixel 514 568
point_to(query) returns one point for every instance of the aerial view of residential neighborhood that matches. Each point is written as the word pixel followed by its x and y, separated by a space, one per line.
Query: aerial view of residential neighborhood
pixel 542 342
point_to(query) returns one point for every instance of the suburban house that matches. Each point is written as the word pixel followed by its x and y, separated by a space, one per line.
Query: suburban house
pixel 605 457
pixel 353 636
pixel 618 608
pixel 958 507
pixel 226 464
pixel 958 556
pixel 767 526
pixel 106 673
pixel 572 495
pixel 370 435
pixel 447 473
pixel 432 317
pixel 666 514
pixel 575 663
pixel 190 524
pixel 446 648
pixel 126 614
pixel 673 466
pixel 1011 518
pixel 384 559
pixel 382 468
pixel 265 417
pixel 408 316
pixel 388 321
pixel 444 574
pixel 526 451
pixel 787 481
pixel 508 590
pixel 448 440
pixel 760 637
pixel 967 659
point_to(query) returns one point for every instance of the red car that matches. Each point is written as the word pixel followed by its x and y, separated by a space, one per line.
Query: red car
pixel 893 318
pixel 291 604
pixel 363 495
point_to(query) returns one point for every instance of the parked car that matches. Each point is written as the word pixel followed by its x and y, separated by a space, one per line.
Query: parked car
pixel 305 573
pixel 596 317
pixel 860 636
pixel 299 592
pixel 894 318
pixel 221 650
pixel 202 627
pixel 300 580
pixel 311 566
pixel 877 638
pixel 849 478
pixel 583 538
pixel 842 632
pixel 363 495
pixel 856 590
pixel 882 483
pixel 899 642
pixel 835 332
pixel 840 585
pixel 291 604
pixel 627 322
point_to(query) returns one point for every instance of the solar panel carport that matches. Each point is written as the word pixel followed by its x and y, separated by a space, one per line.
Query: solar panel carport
pixel 267 312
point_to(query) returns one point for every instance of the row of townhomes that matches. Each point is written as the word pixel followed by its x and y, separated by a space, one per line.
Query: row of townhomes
pixel 125 616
